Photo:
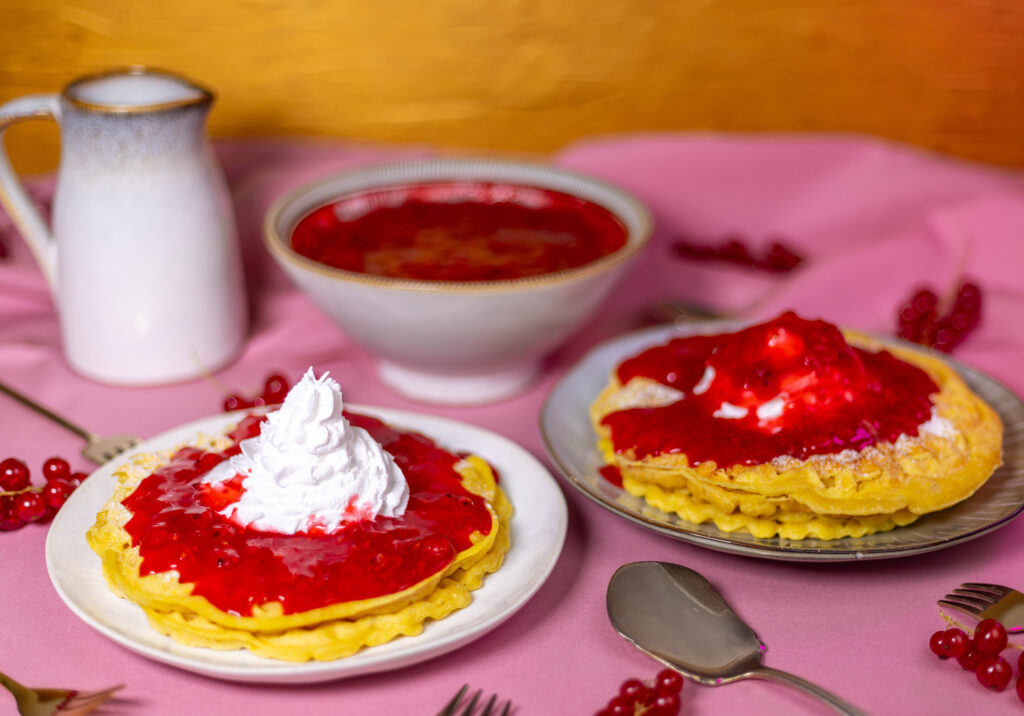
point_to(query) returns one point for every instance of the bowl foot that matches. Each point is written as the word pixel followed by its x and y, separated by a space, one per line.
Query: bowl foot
pixel 457 388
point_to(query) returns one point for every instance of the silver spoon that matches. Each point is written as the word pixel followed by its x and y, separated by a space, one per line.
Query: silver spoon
pixel 674 615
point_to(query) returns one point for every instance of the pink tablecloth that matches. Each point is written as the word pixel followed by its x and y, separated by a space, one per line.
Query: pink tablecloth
pixel 874 220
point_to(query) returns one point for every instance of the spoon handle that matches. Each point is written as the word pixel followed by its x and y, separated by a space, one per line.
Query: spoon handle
pixel 781 677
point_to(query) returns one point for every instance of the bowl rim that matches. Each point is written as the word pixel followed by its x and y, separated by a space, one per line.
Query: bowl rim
pixel 289 207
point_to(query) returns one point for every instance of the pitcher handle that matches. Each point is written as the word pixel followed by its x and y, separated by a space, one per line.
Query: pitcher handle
pixel 13 196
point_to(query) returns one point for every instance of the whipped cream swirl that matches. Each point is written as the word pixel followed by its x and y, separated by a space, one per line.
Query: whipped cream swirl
pixel 310 468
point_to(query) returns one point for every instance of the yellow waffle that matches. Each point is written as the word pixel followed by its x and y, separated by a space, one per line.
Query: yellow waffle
pixel 829 496
pixel 794 525
pixel 337 638
pixel 325 633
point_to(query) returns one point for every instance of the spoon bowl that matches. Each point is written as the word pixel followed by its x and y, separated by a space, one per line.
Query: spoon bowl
pixel 673 614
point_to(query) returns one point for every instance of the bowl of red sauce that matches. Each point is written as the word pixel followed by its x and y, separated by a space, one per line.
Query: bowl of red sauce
pixel 458 275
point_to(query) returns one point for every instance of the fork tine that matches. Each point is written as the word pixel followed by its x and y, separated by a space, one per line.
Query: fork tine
pixel 449 708
pixel 963 606
pixel 489 705
pixel 468 711
pixel 982 599
pixel 455 707
pixel 991 588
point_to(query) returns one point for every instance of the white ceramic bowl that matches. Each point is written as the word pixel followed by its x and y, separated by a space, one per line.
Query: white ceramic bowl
pixel 450 341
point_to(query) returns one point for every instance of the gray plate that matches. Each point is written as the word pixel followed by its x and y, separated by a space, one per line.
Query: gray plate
pixel 572 445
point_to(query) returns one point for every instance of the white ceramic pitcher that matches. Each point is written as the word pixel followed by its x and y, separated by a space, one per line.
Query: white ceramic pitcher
pixel 143 258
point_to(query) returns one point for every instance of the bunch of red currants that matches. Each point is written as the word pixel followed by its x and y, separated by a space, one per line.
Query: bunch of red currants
pixel 275 388
pixel 942 325
pixel 656 698
pixel 22 502
pixel 778 257
pixel 981 654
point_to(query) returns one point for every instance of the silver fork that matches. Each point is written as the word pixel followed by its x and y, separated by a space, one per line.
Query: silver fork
pixel 99 449
pixel 989 601
pixel 468 708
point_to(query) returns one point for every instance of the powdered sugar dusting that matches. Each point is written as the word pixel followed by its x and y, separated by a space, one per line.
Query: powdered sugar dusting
pixel 938 426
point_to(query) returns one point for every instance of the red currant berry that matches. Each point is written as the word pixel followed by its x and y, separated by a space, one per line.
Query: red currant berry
pixel 938 644
pixel 963 321
pixel 945 340
pixel 916 318
pixel 924 302
pixel 968 295
pixel 75 479
pixel 736 252
pixel 14 475
pixel 994 672
pixel 781 258
pixel 633 690
pixel 704 252
pixel 619 706
pixel 56 493
pixel 8 520
pixel 969 659
pixel 665 705
pixel 955 642
pixel 909 333
pixel 275 389
pixel 1020 688
pixel 669 681
pixel 1020 663
pixel 235 402
pixel 989 637
pixel 29 506
pixel 908 316
pixel 947 335
pixel 56 468
pixel 686 248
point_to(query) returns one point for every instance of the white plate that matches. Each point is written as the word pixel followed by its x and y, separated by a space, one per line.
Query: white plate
pixel 537 531
pixel 572 444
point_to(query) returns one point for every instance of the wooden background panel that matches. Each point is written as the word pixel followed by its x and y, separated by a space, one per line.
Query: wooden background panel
pixel 532 75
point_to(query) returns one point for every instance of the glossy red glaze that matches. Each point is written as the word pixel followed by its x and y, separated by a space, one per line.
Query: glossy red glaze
pixel 612 474
pixel 175 525
pixel 458 232
pixel 835 396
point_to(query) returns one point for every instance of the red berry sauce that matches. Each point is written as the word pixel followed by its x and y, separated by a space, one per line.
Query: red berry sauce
pixel 458 231
pixel 612 474
pixel 175 526
pixel 837 397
